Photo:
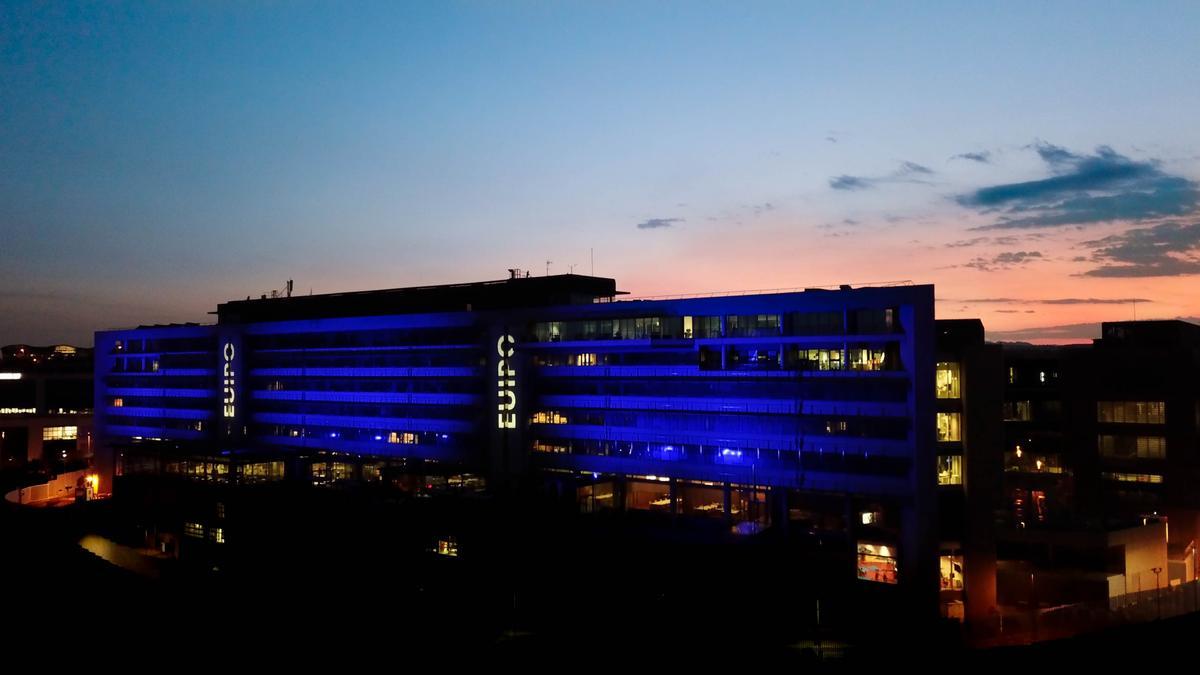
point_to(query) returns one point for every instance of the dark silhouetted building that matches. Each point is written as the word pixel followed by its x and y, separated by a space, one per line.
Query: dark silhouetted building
pixel 45 406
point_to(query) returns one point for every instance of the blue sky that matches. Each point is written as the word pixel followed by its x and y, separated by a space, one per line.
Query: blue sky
pixel 158 158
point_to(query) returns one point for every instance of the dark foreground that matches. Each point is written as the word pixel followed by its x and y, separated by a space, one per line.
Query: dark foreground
pixel 63 603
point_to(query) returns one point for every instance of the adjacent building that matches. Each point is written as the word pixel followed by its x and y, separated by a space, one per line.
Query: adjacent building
pixel 1101 441
pixel 45 406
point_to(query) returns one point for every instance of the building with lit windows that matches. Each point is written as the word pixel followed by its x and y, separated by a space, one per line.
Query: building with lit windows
pixel 969 390
pixel 45 406
pixel 1100 441
pixel 810 412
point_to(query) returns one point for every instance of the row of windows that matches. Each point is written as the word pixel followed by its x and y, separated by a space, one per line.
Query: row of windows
pixel 168 402
pixel 750 424
pixel 196 531
pixel 367 360
pixel 392 337
pixel 395 385
pixel 834 462
pixel 157 345
pixel 1133 477
pixel 858 389
pixel 156 422
pixel 60 433
pixel 441 411
pixel 862 321
pixel 1129 447
pixel 1131 412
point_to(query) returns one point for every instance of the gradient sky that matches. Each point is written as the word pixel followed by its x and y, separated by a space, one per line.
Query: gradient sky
pixel 1038 162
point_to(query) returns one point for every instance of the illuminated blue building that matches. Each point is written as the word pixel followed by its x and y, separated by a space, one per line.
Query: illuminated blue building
pixel 759 409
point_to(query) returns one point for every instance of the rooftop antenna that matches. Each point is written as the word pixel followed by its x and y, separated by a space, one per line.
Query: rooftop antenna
pixel 1135 310
pixel 289 288
pixel 592 255
pixel 571 268
pixel 548 267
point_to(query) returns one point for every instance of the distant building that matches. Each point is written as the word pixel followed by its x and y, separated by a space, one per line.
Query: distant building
pixel 45 406
pixel 1098 439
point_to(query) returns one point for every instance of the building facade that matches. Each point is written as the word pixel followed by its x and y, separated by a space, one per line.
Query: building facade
pixel 811 410
pixel 1100 439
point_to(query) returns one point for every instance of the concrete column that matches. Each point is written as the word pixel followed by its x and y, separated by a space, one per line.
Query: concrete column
pixel 35 446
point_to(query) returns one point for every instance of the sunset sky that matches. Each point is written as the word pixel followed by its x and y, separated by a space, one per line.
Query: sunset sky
pixel 1038 162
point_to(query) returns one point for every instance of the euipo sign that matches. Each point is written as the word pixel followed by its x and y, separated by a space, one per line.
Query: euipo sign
pixel 229 381
pixel 506 384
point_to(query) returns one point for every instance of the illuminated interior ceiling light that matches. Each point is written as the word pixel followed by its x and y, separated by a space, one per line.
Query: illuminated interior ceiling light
pixel 10 376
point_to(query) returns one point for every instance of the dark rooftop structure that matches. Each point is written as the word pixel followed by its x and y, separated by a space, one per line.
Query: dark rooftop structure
pixel 516 291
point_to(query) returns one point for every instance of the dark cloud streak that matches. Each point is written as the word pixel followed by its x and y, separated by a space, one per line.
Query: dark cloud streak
pixel 658 223
pixel 1086 189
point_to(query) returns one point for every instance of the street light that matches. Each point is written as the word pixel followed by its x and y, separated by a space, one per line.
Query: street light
pixel 1157 591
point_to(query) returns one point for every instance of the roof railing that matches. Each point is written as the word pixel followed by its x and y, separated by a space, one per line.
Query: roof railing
pixel 763 291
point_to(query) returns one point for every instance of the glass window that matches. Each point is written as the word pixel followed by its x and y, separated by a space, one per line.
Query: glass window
pixel 648 496
pixel 60 433
pixel 1018 411
pixel 447 546
pixel 1131 412
pixel 1133 477
pixel 947 380
pixel 948 427
pixel 1130 447
pixel 949 469
pixel 258 472
pixel 877 562
pixel 952 572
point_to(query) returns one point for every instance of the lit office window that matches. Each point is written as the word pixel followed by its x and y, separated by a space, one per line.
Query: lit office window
pixel 1133 477
pixel 217 535
pixel 1130 447
pixel 1131 412
pixel 260 472
pixel 548 417
pixel 118 402
pixel 648 496
pixel 868 359
pixel 947 380
pixel 949 469
pixel 952 572
pixel 326 473
pixel 447 547
pixel 193 530
pixel 402 437
pixel 877 562
pixel 819 359
pixel 949 426
pixel 60 433
pixel 585 359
